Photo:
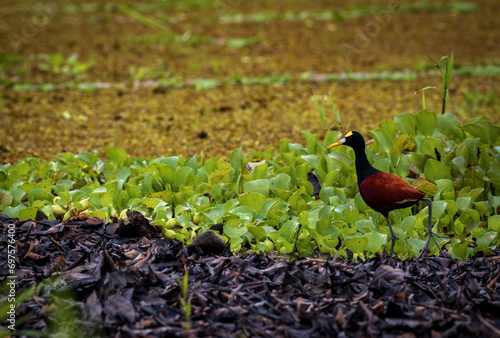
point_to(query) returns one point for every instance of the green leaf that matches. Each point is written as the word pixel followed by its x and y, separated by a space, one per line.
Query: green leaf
pixel 234 231
pixel 471 148
pixel 383 139
pixel 13 212
pixel 281 181
pixel 486 238
pixel 288 230
pixel 376 241
pixel 383 165
pixel 494 223
pixel 478 130
pixel 446 123
pixel 464 203
pixel 253 200
pixel 438 208
pixel 430 145
pixel 426 122
pixel 435 170
pixel 6 199
pixel 403 165
pixel 261 186
pixel 406 123
pixel 236 159
pixel 460 250
pixel 117 155
pixel 27 213
pixel 356 244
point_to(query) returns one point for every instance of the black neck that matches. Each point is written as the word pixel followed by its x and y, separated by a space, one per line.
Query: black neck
pixel 363 167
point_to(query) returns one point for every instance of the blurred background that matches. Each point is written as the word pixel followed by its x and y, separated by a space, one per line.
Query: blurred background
pixel 186 76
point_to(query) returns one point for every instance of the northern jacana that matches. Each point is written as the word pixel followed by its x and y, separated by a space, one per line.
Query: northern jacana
pixel 381 191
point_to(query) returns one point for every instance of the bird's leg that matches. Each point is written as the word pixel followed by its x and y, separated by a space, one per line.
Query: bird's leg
pixel 393 237
pixel 431 234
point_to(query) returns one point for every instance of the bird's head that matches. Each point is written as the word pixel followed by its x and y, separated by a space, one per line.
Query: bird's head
pixel 352 139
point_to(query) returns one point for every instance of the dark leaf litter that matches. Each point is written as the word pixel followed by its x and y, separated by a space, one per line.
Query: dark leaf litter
pixel 127 287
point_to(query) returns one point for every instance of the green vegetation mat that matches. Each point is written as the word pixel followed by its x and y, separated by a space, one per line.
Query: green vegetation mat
pixel 269 201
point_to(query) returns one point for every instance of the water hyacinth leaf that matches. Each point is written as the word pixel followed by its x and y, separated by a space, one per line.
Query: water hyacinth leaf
pixel 236 159
pixel 192 163
pixel 234 231
pixel 117 155
pixel 27 213
pixel 471 148
pixel 486 238
pixel 171 161
pixel 419 161
pixel 258 233
pixel 383 164
pixel 403 165
pixel 451 207
pixel 481 207
pixel 401 145
pixel 295 198
pixel 494 223
pixel 332 136
pixel 438 208
pixel 426 122
pixel 281 181
pixel 351 215
pixel 364 225
pixel 356 244
pixel 183 176
pixel 165 195
pixel 407 224
pixel 260 186
pixel 460 163
pixel 435 170
pixel 478 130
pixel 446 123
pixel 406 123
pixel 13 212
pixel 266 207
pixel 312 143
pixel 216 213
pixel 283 245
pixel 383 139
pixel 360 203
pixel 6 199
pixel 288 158
pixel 429 146
pixel 390 127
pixel 253 200
pixel 460 250
pixel 426 187
pixel 259 171
pixel 324 212
pixel 166 173
pixel 219 176
pixel 464 203
pixel 326 193
pixel 288 230
pixel 469 217
pixel 376 241
pixel 331 177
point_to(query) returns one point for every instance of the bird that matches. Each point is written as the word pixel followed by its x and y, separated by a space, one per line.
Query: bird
pixel 381 191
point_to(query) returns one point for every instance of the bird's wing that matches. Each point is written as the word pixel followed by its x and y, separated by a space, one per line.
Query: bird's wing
pixel 385 188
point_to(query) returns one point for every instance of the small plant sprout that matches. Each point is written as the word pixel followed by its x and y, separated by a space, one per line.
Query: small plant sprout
pixel 423 94
pixel 446 75
pixel 336 113
pixel 185 300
